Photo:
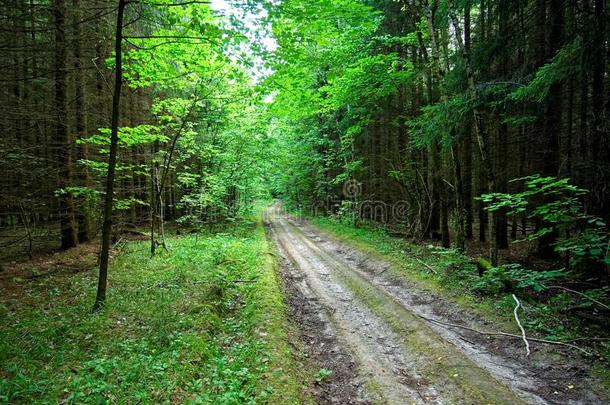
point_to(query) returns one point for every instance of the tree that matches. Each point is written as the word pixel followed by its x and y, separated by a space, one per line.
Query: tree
pixel 497 83
pixel 63 141
pixel 100 297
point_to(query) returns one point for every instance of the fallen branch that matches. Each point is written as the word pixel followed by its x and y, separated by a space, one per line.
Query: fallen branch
pixel 550 342
pixel 593 339
pixel 117 243
pixel 527 344
pixel 601 304
pixel 427 265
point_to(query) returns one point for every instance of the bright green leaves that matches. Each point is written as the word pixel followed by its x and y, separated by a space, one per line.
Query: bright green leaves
pixel 332 72
pixel 324 51
pixel 184 43
pixel 141 135
pixel 410 39
pixel 555 203
pixel 367 80
pixel 128 136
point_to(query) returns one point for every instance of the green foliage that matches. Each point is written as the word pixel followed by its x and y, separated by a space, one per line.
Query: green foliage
pixel 331 75
pixel 348 213
pixel 563 65
pixel 179 328
pixel 205 126
pixel 368 79
pixel 221 166
pixel 555 202
pixel 322 375
pixel 128 136
pixel 82 192
pixel 514 278
pixel 439 122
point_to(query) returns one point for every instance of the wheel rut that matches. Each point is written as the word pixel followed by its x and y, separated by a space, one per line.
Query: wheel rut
pixel 368 340
pixel 383 350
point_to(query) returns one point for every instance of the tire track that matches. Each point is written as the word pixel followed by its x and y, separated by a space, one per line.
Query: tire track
pixel 400 357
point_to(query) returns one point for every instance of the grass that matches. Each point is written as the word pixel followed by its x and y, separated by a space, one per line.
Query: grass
pixel 203 323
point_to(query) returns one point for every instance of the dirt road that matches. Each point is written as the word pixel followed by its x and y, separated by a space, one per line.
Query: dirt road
pixel 364 325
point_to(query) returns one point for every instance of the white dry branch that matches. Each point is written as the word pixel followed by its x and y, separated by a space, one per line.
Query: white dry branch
pixel 523 336
pixel 510 335
pixel 426 265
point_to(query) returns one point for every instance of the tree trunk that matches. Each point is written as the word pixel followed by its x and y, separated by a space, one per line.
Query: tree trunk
pixel 63 141
pixel 114 141
pixel 459 202
pixel 601 149
pixel 444 211
pixel 466 171
pixel 502 170
pixel 481 135
pixel 552 122
pixel 82 215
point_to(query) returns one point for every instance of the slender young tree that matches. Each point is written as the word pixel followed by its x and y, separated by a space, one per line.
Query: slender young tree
pixel 80 117
pixel 100 297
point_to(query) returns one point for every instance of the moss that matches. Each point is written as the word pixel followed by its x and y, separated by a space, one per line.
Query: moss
pixel 286 371
pixel 602 374
pixel 483 265
pixel 375 391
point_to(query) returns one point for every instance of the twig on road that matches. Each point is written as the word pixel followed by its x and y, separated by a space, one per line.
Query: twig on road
pixel 382 271
pixel 491 333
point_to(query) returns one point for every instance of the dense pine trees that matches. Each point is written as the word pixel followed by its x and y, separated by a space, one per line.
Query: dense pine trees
pixel 173 104
pixel 49 62
pixel 468 95
pixel 420 107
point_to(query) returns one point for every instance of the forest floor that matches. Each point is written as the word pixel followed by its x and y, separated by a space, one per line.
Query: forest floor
pixel 204 322
pixel 368 323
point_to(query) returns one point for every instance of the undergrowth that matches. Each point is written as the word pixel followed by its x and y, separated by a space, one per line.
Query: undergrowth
pixel 202 323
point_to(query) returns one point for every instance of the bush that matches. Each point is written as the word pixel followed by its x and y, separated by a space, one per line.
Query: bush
pixel 514 278
pixel 555 203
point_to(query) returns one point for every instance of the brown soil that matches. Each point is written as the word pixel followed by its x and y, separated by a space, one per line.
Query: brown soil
pixel 321 345
pixel 15 275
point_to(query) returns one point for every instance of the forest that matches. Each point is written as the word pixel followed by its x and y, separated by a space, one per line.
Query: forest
pixel 231 201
